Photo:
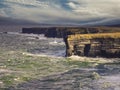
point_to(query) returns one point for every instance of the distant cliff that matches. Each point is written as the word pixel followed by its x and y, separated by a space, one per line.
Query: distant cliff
pixel 61 32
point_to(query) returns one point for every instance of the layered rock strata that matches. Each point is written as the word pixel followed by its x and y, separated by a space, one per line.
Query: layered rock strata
pixel 100 44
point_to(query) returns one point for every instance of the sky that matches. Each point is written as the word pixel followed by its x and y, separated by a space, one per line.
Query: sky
pixel 74 12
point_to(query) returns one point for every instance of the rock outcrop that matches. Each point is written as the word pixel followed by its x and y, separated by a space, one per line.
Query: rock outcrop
pixel 100 44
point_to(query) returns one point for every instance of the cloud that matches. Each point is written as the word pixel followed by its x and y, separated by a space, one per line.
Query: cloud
pixel 72 5
pixel 62 11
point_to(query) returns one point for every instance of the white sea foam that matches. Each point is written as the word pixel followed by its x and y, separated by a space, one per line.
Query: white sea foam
pixel 90 59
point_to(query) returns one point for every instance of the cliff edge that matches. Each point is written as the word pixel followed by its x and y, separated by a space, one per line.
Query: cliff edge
pixel 98 44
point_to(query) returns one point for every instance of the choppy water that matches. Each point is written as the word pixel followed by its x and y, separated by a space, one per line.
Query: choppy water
pixel 33 43
pixel 38 44
pixel 51 47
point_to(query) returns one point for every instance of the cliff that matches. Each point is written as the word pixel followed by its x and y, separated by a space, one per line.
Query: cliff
pixel 61 32
pixel 100 44
pixel 84 41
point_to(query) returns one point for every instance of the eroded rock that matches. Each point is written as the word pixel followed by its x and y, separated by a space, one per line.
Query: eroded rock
pixel 101 44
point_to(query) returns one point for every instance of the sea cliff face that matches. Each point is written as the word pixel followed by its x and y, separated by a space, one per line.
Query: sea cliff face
pixel 100 44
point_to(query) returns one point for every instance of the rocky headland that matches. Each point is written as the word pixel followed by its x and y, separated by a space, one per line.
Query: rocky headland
pixel 100 44
pixel 84 41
